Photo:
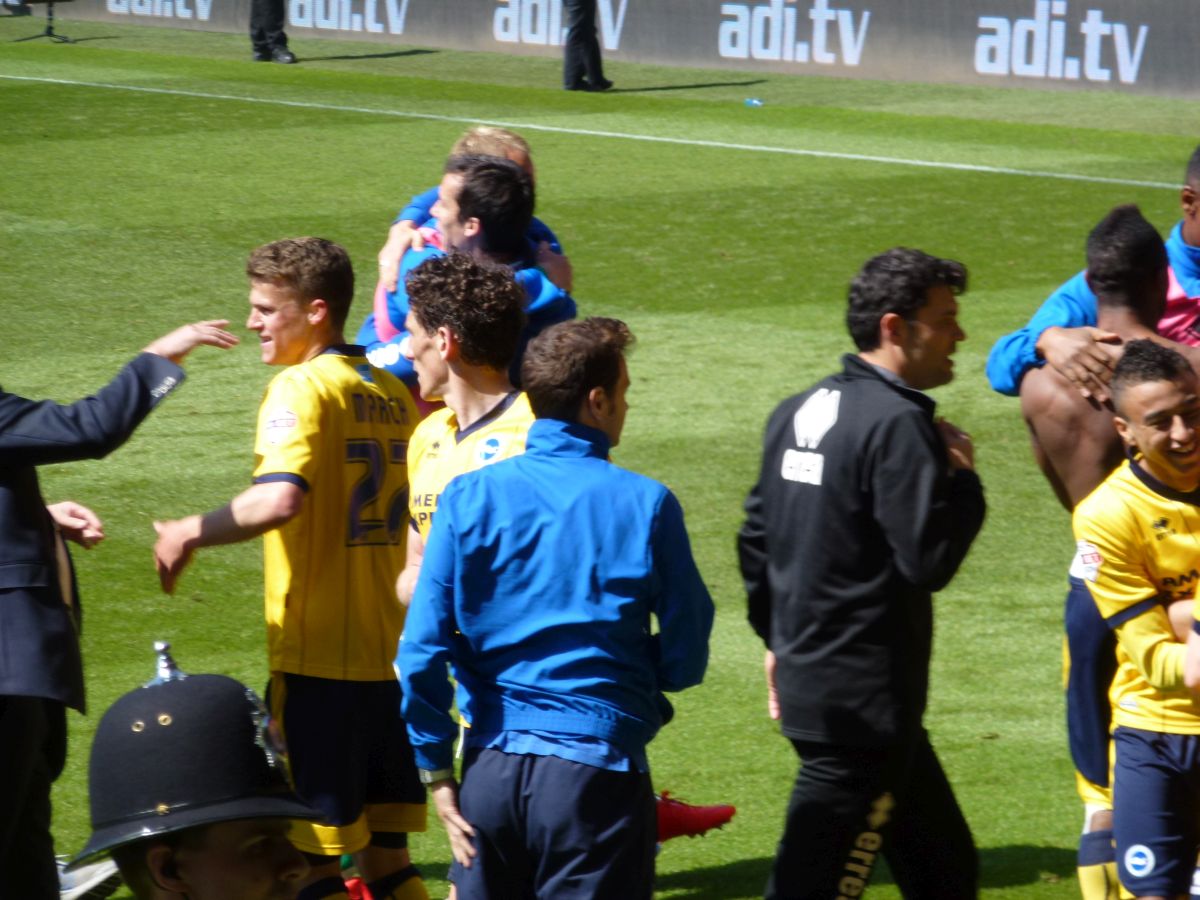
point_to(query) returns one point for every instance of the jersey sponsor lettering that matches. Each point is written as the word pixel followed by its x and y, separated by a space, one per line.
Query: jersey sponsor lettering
pixel 1055 45
pixel 370 16
pixel 788 31
pixel 1180 587
pixel 541 22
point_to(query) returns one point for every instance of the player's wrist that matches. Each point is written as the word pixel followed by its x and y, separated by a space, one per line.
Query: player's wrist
pixel 433 776
pixel 1039 346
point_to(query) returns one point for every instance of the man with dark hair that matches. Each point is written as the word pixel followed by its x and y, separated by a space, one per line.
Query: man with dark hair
pixel 41 669
pixel 484 208
pixel 414 225
pixel 1136 545
pixel 1062 332
pixel 1076 447
pixel 564 695
pixel 189 793
pixel 864 506
pixel 328 496
pixel 465 319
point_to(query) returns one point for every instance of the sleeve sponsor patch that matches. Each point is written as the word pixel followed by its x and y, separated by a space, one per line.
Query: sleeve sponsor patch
pixel 1087 562
pixel 278 424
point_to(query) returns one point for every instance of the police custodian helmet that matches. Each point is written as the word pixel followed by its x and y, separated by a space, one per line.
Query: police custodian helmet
pixel 182 751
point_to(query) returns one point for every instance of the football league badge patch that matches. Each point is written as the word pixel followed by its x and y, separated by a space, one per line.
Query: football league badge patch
pixel 279 423
pixel 1087 561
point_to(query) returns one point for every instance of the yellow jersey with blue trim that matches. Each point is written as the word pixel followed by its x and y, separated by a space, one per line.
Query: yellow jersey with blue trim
pixel 339 429
pixel 439 451
pixel 1139 551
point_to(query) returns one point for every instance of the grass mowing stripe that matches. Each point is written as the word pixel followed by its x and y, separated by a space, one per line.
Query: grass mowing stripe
pixel 618 135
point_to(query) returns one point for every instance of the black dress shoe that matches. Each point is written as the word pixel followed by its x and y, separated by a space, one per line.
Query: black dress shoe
pixel 598 86
pixel 262 56
pixel 283 55
pixel 577 86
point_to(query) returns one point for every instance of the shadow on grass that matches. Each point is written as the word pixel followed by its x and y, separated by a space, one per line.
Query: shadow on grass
pixel 1001 867
pixel 741 878
pixel 417 51
pixel 688 87
pixel 1023 864
pixel 1012 866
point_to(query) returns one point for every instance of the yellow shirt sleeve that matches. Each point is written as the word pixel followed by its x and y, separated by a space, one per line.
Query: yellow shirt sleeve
pixel 289 429
pixel 1127 596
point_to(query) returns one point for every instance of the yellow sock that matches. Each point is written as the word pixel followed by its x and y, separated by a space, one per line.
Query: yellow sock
pixel 1097 867
pixel 403 885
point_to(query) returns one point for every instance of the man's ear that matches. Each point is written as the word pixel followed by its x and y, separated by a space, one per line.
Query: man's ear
pixel 448 345
pixel 318 311
pixel 1125 432
pixel 1188 199
pixel 599 402
pixel 472 227
pixel 595 408
pixel 892 329
pixel 160 863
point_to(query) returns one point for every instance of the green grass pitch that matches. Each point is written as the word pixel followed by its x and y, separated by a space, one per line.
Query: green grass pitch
pixel 139 166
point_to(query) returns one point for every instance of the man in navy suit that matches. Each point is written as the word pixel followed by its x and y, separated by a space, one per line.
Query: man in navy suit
pixel 41 672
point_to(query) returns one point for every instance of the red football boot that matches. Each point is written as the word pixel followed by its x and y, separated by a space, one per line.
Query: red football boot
pixel 676 818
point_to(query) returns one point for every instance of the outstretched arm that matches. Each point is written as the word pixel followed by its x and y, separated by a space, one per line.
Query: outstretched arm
pixel 255 511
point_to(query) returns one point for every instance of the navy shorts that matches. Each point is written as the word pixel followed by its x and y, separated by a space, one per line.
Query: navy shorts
pixel 1092 648
pixel 551 828
pixel 349 756
pixel 1156 799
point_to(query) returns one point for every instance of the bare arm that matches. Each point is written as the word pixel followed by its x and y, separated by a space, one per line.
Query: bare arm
pixel 1073 439
pixel 1084 356
pixel 256 510
pixel 1191 667
pixel 773 709
pixel 414 552
pixel 182 341
pixel 557 266
pixel 401 236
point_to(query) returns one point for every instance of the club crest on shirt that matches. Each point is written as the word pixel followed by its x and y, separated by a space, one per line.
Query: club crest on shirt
pixel 279 424
pixel 490 450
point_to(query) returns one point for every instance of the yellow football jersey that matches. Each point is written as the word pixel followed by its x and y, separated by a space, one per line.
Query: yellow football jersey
pixel 439 451
pixel 1139 551
pixel 339 428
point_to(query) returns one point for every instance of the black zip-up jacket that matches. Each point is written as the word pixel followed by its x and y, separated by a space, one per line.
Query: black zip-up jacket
pixel 855 520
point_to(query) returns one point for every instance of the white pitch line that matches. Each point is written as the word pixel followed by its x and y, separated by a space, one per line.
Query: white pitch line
pixel 617 135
